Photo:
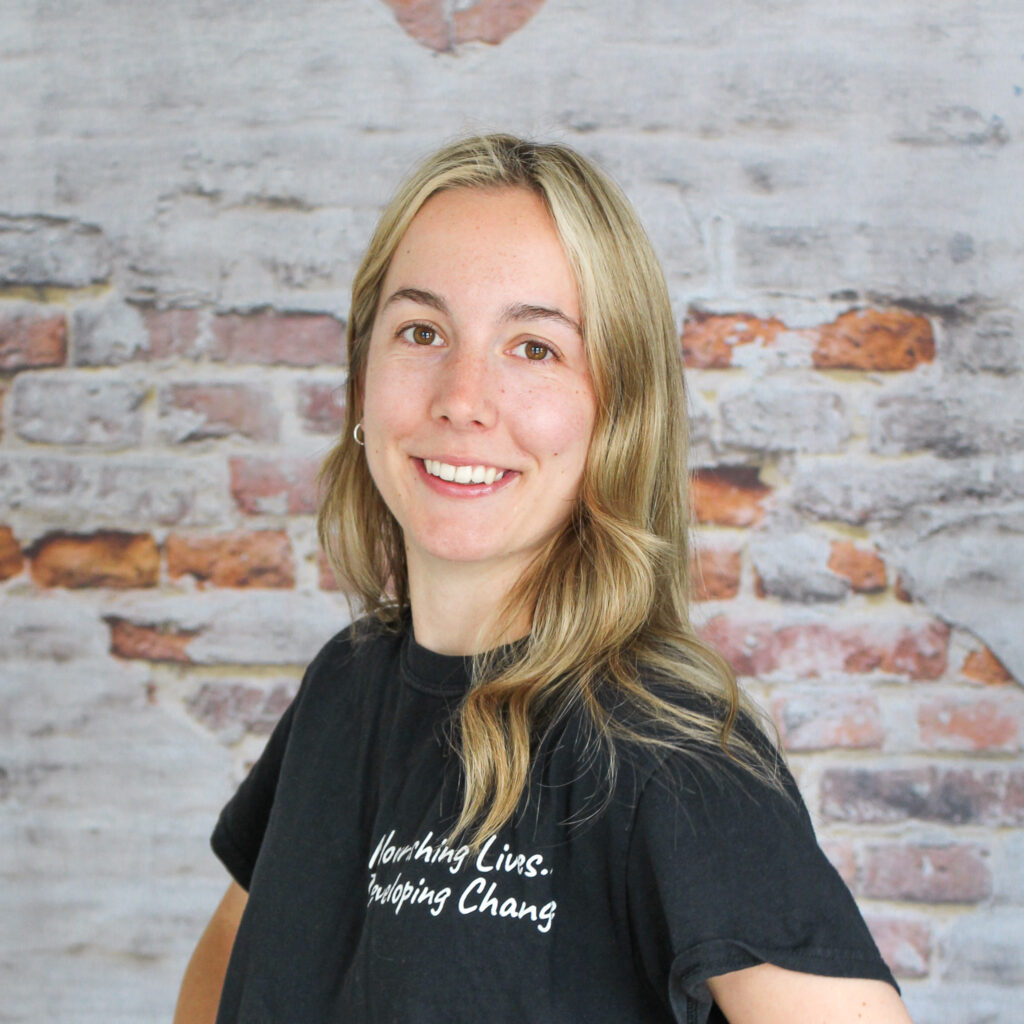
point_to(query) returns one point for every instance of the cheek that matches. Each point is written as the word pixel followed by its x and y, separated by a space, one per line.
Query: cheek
pixel 561 427
pixel 386 399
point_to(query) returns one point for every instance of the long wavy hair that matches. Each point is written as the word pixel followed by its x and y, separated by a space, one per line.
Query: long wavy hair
pixel 609 595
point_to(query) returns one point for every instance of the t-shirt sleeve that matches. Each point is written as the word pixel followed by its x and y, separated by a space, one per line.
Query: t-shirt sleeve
pixel 238 834
pixel 724 872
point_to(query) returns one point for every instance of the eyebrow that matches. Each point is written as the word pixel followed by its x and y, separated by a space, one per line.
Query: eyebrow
pixel 515 311
pixel 528 311
pixel 419 295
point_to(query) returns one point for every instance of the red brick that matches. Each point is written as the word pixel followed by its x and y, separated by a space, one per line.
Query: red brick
pixel 491 21
pixel 221 706
pixel 969 723
pixel 11 559
pixel 843 857
pixel 149 642
pixel 741 643
pixel 260 559
pixel 905 945
pixel 729 496
pixel 716 572
pixel 322 407
pixel 104 559
pixel 823 721
pixel 172 332
pixel 28 342
pixel 984 667
pixel 267 486
pixel 425 21
pixel 864 569
pixel 957 796
pixel 808 650
pixel 901 592
pixel 708 339
pixel 919 653
pixel 224 409
pixel 953 873
pixel 486 21
pixel 871 339
pixel 290 339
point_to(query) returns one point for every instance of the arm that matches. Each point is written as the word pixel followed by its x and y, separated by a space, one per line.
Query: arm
pixel 767 994
pixel 204 976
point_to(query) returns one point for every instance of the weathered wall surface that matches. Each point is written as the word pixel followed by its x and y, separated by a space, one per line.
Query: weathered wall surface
pixel 184 191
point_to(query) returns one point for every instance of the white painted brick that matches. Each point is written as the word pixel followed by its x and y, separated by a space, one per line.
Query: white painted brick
pixel 799 417
pixel 109 804
pixel 703 450
pixel 792 562
pixel 961 1004
pixel 132 490
pixel 855 490
pixel 991 341
pixel 51 627
pixel 959 417
pixel 966 563
pixel 986 947
pixel 242 627
pixel 40 250
pixel 62 408
pixel 106 333
pixel 1008 871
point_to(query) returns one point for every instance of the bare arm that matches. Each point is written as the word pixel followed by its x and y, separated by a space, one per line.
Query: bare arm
pixel 204 976
pixel 767 994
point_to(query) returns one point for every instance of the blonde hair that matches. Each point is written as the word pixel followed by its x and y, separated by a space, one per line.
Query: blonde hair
pixel 609 595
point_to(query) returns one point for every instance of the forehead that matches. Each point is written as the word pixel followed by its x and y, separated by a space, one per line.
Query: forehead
pixel 499 236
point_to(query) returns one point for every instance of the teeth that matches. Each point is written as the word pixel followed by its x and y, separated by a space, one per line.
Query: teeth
pixel 463 474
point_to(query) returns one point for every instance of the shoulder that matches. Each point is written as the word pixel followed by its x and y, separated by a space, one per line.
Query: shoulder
pixel 677 733
pixel 357 652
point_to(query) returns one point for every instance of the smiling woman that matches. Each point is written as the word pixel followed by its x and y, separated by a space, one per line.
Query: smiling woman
pixel 477 405
pixel 521 787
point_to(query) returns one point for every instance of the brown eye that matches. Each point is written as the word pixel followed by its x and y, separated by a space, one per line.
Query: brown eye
pixel 535 350
pixel 424 335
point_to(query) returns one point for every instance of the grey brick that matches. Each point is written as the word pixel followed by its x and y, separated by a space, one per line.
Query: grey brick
pixel 967 564
pixel 90 490
pixel 991 341
pixel 961 417
pixel 792 563
pixel 53 628
pixel 40 250
pixel 107 333
pixel 77 409
pixel 859 491
pixel 986 947
pixel 251 628
pixel 769 417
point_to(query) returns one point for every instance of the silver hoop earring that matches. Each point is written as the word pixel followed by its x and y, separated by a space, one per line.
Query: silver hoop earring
pixel 355 434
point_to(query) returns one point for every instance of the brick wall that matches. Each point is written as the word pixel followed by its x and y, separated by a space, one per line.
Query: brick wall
pixel 184 192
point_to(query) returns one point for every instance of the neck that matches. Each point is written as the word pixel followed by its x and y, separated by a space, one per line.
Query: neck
pixel 454 606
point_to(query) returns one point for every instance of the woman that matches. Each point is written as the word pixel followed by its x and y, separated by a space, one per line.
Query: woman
pixel 521 788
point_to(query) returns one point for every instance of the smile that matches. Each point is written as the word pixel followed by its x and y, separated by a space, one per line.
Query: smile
pixel 463 474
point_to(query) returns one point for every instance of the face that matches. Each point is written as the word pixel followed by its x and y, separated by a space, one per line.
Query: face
pixel 478 406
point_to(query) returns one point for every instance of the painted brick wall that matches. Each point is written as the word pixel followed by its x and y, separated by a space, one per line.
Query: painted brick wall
pixel 184 192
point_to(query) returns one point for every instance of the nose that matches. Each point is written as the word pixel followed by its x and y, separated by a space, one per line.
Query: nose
pixel 464 389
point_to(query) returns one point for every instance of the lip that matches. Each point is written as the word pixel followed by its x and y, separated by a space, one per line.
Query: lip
pixel 454 490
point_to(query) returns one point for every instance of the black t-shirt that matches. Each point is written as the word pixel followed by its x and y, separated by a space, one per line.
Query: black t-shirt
pixel 587 907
